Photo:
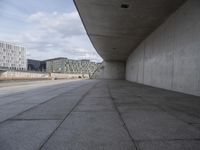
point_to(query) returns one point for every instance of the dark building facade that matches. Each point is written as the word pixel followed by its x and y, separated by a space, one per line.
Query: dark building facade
pixel 36 65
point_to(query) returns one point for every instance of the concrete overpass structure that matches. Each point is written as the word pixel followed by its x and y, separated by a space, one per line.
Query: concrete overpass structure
pixel 150 42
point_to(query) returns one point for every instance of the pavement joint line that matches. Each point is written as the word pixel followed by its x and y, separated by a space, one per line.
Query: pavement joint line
pixel 31 119
pixel 193 123
pixel 15 83
pixel 34 82
pixel 164 110
pixel 18 93
pixel 43 103
pixel 98 97
pixel 190 114
pixel 22 92
pixel 98 111
pixel 168 140
pixel 122 120
pixel 31 95
pixel 83 96
pixel 51 85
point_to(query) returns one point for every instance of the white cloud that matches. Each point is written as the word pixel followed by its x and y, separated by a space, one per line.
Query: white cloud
pixel 56 34
pixel 66 24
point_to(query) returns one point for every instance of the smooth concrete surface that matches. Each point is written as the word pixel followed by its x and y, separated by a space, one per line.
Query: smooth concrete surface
pixel 169 57
pixel 111 70
pixel 98 115
pixel 158 39
pixel 115 31
pixel 24 95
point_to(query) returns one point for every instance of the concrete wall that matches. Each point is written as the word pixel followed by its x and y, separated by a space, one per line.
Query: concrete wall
pixel 170 57
pixel 14 75
pixel 69 76
pixel 21 75
pixel 112 70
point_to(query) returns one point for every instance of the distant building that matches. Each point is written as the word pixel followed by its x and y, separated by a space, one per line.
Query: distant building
pixel 36 65
pixel 56 65
pixel 65 65
pixel 12 56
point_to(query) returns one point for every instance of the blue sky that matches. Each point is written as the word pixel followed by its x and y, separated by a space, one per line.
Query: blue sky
pixel 47 28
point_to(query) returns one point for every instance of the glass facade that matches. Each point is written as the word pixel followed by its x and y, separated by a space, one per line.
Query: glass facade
pixel 12 56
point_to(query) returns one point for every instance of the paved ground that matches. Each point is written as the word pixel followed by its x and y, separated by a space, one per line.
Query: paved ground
pixel 97 115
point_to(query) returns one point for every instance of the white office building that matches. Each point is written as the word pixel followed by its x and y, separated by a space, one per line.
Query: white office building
pixel 12 56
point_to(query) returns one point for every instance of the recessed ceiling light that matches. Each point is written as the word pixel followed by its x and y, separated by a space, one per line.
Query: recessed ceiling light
pixel 124 5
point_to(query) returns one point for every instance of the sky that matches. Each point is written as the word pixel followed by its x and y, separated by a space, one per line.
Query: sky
pixel 47 28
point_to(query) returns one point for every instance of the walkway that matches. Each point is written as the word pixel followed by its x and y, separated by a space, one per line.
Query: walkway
pixel 99 115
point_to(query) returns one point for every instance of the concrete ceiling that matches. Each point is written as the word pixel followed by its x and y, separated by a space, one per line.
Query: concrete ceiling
pixel 115 31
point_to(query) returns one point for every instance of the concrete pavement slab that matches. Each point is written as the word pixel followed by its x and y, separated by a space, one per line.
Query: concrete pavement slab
pixel 56 108
pixel 170 145
pixel 95 104
pixel 89 131
pixel 150 125
pixel 25 135
pixel 113 115
pixel 11 110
